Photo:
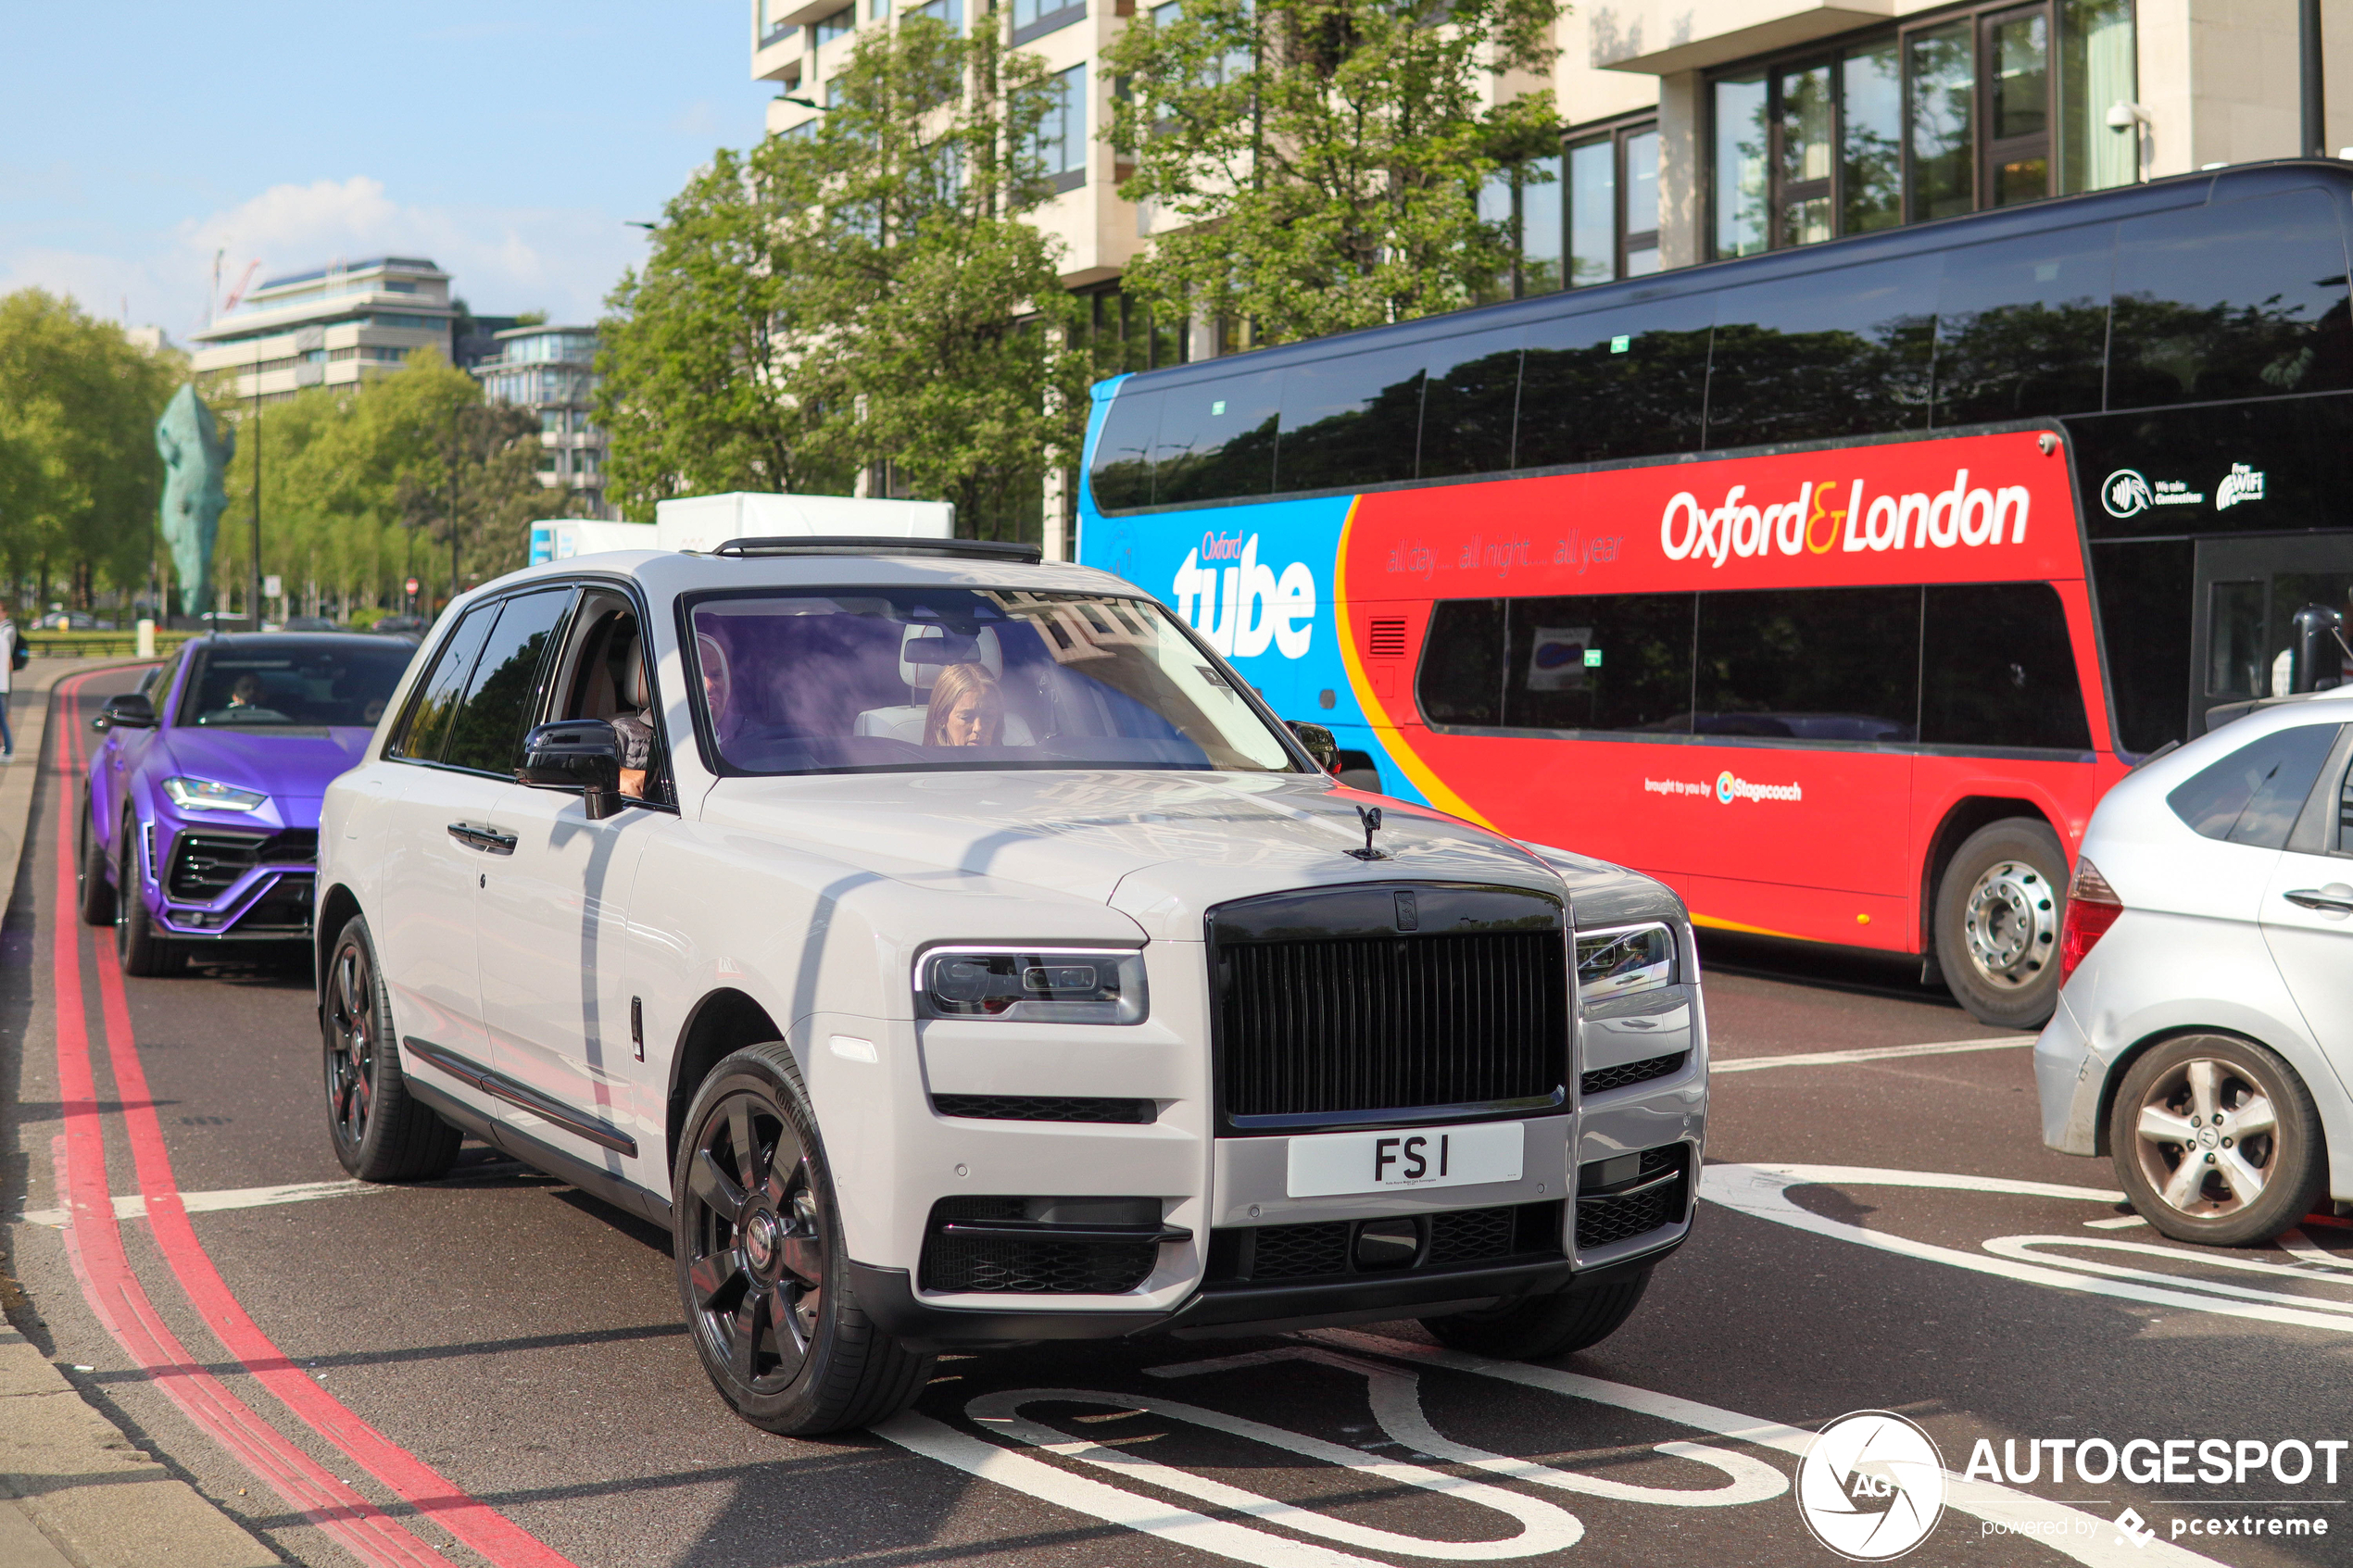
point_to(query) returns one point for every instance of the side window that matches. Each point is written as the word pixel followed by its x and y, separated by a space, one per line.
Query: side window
pixel 2252 796
pixel 1845 352
pixel 421 734
pixel 1999 669
pixel 2240 299
pixel 1122 476
pixel 1352 420
pixel 1467 400
pixel 1820 664
pixel 1461 674
pixel 1624 383
pixel 1216 438
pixel 2021 326
pixel 486 731
pixel 1607 661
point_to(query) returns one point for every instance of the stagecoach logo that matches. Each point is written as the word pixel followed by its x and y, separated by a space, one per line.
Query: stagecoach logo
pixel 1870 1486
pixel 2125 493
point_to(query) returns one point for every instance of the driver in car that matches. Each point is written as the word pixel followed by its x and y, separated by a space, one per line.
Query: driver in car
pixel 967 708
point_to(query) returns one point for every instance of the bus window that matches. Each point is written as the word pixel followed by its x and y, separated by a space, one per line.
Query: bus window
pixel 1122 476
pixel 2144 598
pixel 1471 390
pixel 1818 355
pixel 2021 327
pixel 1626 383
pixel 1461 674
pixel 1350 421
pixel 1997 667
pixel 1814 664
pixel 2240 299
pixel 1600 661
pixel 1216 438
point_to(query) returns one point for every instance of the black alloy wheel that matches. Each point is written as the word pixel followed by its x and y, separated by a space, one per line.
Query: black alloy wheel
pixel 760 1271
pixel 138 946
pixel 382 1133
pixel 95 894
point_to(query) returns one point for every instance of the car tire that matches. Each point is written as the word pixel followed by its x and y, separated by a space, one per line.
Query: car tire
pixel 2264 1166
pixel 1999 910
pixel 142 950
pixel 382 1133
pixel 1542 1326
pixel 96 894
pixel 762 1275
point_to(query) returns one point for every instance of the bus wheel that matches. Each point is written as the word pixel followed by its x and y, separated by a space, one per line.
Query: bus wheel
pixel 1999 910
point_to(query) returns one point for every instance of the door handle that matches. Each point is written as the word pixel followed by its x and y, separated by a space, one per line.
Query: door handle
pixel 2334 899
pixel 484 838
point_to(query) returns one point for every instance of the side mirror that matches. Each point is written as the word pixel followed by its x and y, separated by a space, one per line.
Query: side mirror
pixel 2317 654
pixel 582 754
pixel 1321 743
pixel 131 711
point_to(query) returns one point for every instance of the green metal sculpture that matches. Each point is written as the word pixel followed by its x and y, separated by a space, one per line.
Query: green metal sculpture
pixel 196 459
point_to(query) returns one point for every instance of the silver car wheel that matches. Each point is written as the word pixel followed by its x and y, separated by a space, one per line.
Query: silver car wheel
pixel 2204 1137
pixel 2011 924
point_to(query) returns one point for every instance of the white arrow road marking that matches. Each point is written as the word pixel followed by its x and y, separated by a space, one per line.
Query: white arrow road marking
pixel 1762 1192
pixel 131 1206
pixel 2101 1547
pixel 1871 1053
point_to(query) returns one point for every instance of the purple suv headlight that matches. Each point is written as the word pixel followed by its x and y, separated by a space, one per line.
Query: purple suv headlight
pixel 203 795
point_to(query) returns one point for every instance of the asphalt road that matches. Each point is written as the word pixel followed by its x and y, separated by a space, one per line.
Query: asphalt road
pixel 492 1368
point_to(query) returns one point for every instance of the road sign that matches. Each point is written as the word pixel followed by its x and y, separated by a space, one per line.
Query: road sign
pixel 271 587
pixel 412 587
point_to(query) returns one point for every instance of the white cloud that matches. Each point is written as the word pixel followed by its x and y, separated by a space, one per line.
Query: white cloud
pixel 502 259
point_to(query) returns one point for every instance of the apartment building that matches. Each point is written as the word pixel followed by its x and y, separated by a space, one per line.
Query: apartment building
pixel 1695 130
pixel 551 372
pixel 328 326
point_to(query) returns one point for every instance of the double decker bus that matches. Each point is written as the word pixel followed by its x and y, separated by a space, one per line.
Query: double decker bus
pixel 1831 586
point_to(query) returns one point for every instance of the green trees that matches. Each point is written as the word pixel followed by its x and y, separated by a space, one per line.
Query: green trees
pixel 866 296
pixel 79 477
pixel 1325 155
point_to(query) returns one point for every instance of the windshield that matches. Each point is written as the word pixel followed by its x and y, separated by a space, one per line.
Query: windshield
pixel 293 681
pixel 890 678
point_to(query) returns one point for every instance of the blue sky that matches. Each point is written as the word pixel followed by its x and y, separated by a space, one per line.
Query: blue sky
pixel 507 140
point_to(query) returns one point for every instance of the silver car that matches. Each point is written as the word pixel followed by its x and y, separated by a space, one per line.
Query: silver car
pixel 2205 1021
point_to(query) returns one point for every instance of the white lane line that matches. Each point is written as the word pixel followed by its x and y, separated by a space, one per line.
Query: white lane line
pixel 1762 1192
pixel 2125 1223
pixel 131 1206
pixel 1872 1053
pixel 2025 1245
pixel 2100 1549
pixel 2298 1245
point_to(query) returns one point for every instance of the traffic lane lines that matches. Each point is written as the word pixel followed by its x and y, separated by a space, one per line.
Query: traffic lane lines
pixel 120 1301
pixel 1866 1053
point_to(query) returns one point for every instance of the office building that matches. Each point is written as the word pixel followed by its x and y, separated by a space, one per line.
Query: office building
pixel 327 327
pixel 551 372
pixel 1695 130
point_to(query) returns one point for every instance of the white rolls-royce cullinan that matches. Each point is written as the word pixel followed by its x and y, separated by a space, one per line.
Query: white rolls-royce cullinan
pixel 953 952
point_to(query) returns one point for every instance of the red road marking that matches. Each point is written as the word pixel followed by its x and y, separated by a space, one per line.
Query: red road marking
pixel 94 1245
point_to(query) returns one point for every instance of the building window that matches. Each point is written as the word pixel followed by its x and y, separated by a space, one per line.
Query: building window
pixel 1524 200
pixel 950 12
pixel 1612 190
pixel 1125 336
pixel 827 28
pixel 1059 143
pixel 1986 108
pixel 1035 19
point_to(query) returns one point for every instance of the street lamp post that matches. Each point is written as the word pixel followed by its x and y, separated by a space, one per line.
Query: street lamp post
pixel 255 602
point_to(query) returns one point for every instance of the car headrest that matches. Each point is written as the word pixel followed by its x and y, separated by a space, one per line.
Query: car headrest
pixel 924 651
pixel 633 691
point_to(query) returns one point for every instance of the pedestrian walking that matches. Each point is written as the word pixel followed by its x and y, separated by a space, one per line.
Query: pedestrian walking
pixel 10 637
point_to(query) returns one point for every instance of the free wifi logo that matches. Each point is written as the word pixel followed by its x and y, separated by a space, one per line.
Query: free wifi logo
pixel 1871 1486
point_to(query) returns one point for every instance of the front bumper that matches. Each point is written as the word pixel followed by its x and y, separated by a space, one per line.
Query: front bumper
pixel 214 881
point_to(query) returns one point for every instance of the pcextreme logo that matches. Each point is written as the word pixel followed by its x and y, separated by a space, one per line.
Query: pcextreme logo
pixel 1814 522
pixel 1244 608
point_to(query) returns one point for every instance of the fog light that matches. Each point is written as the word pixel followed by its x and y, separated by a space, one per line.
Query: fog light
pixel 1388 1244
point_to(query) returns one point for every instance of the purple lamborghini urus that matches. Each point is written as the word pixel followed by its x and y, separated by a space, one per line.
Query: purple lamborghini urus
pixel 201 822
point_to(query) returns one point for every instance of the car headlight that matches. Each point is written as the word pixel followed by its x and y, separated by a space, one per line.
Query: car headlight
pixel 1631 959
pixel 203 795
pixel 1036 985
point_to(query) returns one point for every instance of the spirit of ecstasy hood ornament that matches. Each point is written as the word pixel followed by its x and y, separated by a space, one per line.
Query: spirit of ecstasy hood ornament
pixel 1370 817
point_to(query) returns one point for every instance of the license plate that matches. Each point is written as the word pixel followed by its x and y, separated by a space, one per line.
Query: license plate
pixel 1431 1157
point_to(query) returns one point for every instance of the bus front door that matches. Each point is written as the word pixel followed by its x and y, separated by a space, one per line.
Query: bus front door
pixel 2248 593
